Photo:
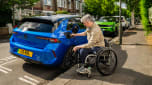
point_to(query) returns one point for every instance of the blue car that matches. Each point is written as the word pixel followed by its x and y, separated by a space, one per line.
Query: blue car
pixel 43 39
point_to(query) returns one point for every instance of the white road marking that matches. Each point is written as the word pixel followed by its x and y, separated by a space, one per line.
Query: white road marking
pixel 27 77
pixel 3 71
pixel 11 57
pixel 5 68
pixel 4 61
pixel 8 62
pixel 26 81
pixel 8 58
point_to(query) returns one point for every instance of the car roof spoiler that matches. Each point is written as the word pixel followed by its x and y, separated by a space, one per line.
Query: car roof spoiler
pixel 39 20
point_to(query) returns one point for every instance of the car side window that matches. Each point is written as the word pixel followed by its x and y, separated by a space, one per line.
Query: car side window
pixel 77 20
pixel 70 24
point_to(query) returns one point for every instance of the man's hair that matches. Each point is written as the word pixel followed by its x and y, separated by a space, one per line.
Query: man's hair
pixel 87 18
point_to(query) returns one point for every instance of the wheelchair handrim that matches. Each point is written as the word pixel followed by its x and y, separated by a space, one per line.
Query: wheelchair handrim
pixel 102 69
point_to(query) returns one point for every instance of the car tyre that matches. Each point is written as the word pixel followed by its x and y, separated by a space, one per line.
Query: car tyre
pixel 69 60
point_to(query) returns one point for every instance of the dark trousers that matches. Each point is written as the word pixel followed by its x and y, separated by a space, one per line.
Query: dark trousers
pixel 85 51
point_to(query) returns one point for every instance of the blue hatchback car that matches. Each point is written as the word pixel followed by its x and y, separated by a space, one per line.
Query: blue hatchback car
pixel 43 39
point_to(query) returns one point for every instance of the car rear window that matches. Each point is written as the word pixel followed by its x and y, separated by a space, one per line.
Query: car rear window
pixel 37 27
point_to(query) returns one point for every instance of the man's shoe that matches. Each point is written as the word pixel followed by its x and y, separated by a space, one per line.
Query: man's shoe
pixel 83 70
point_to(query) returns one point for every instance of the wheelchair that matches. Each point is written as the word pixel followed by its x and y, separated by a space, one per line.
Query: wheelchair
pixel 104 60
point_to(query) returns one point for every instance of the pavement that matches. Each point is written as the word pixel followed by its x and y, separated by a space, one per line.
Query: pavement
pixel 134 64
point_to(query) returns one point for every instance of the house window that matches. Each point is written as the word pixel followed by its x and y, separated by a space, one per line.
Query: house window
pixel 47 2
pixel 77 4
pixel 70 7
pixel 59 3
pixel 62 3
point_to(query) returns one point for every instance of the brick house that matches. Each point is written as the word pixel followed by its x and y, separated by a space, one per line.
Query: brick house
pixel 72 6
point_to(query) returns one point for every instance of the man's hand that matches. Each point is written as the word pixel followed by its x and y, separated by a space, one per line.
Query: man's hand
pixel 76 48
pixel 72 35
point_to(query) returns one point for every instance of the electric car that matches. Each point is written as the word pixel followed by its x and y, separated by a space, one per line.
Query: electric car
pixel 108 25
pixel 43 39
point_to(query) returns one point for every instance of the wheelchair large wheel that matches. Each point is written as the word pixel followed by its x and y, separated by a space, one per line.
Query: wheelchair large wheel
pixel 106 62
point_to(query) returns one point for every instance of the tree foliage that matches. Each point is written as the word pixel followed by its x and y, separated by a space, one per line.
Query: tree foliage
pixel 7 8
pixel 144 5
pixel 99 8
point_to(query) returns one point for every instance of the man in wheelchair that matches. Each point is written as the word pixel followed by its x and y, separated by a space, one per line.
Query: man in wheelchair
pixel 95 41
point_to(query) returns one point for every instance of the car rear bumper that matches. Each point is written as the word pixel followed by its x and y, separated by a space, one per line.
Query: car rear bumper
pixel 26 59
pixel 39 55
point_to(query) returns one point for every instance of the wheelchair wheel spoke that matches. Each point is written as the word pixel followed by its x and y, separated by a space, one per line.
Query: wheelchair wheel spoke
pixel 106 62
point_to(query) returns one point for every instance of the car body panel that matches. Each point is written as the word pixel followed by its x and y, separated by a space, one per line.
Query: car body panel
pixel 107 26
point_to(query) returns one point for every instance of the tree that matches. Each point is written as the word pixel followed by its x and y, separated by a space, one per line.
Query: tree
pixel 6 5
pixel 132 5
pixel 99 8
pixel 144 6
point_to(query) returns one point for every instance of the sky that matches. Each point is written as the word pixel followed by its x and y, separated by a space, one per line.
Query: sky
pixel 123 5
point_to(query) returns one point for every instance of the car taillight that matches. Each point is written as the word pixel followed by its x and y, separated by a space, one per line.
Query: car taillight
pixel 54 40
pixel 14 32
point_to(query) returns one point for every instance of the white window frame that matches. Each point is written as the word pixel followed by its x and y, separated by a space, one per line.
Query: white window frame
pixel 62 3
pixel 65 5
pixel 59 3
pixel 70 5
pixel 76 4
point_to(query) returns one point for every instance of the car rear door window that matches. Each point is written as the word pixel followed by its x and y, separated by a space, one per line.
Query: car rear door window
pixel 36 26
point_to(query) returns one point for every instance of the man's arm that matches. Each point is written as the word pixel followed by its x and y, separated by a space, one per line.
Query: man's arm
pixel 79 34
pixel 89 44
pixel 93 39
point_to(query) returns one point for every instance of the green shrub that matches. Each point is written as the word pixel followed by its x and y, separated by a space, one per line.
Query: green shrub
pixel 62 12
pixel 144 16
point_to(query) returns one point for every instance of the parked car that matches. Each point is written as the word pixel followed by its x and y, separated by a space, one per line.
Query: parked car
pixel 108 25
pixel 125 23
pixel 42 39
pixel 129 21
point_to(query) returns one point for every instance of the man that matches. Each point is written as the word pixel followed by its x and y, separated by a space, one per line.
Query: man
pixel 95 41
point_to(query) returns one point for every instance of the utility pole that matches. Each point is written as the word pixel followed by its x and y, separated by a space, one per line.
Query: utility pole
pixel 120 25
pixel 80 7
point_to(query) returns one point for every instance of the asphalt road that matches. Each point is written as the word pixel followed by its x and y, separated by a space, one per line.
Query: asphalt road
pixel 15 71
